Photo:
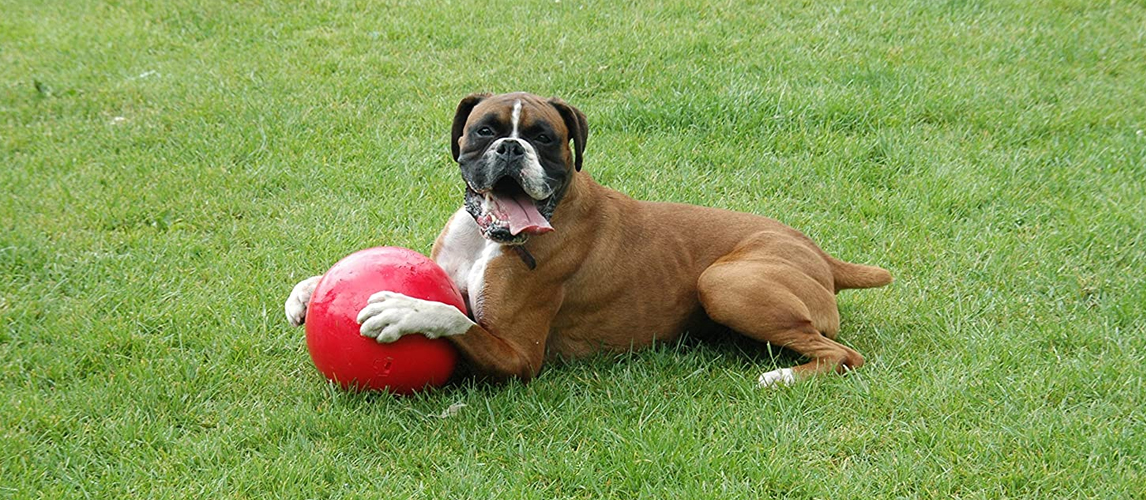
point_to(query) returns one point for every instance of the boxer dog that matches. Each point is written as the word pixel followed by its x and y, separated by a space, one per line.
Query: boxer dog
pixel 551 263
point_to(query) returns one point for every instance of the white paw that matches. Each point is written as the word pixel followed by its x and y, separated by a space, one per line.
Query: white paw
pixel 390 315
pixel 776 378
pixel 299 298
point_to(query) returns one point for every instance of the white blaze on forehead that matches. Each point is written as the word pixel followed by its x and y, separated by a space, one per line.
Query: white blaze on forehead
pixel 516 117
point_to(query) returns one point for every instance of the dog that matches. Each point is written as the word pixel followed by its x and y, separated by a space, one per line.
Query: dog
pixel 551 263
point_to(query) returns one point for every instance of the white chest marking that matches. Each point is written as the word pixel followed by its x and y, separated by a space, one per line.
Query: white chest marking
pixel 464 255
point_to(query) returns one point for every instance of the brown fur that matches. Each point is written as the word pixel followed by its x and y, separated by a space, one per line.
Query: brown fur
pixel 619 274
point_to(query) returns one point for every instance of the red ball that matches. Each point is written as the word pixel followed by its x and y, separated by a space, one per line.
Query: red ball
pixel 356 362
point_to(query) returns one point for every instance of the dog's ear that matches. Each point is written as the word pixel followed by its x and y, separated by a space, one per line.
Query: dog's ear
pixel 460 117
pixel 577 125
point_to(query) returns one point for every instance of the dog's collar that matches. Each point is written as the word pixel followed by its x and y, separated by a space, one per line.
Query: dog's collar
pixel 526 257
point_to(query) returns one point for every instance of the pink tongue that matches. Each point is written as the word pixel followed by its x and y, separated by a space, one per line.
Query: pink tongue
pixel 522 214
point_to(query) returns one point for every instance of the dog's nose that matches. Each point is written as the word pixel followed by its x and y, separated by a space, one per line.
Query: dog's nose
pixel 510 149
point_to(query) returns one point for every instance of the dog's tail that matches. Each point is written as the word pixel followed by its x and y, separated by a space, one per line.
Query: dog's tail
pixel 848 275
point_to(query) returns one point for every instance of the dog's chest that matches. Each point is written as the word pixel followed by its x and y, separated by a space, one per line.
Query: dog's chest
pixel 464 255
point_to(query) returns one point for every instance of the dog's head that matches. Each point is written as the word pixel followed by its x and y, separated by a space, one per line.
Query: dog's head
pixel 515 157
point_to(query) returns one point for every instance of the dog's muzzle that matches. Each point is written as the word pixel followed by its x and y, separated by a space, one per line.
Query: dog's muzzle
pixel 507 193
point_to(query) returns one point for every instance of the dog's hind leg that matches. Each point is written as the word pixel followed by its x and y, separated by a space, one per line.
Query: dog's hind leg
pixel 773 302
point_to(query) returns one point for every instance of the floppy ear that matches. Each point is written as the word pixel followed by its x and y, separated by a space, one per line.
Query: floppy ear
pixel 577 125
pixel 460 118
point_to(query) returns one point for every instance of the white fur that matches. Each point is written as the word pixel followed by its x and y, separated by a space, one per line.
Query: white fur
pixel 463 253
pixel 390 315
pixel 775 378
pixel 515 117
pixel 533 176
pixel 299 298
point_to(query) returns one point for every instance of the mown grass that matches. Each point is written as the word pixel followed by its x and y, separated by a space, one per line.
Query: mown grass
pixel 171 169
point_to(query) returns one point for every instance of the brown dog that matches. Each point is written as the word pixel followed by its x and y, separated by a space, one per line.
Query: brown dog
pixel 552 262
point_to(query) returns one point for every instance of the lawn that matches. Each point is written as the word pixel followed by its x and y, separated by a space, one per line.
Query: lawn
pixel 169 170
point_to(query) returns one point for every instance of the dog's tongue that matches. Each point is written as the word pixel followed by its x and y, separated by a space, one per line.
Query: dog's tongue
pixel 522 214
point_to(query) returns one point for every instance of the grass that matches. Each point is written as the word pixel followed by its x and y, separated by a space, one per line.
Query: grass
pixel 171 169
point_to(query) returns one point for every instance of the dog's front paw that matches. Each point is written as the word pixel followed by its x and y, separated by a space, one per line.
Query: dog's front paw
pixel 299 298
pixel 390 315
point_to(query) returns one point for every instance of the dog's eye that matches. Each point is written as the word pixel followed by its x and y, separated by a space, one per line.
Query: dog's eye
pixel 543 138
pixel 485 132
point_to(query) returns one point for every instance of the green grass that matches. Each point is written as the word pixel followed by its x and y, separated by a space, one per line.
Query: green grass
pixel 170 169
